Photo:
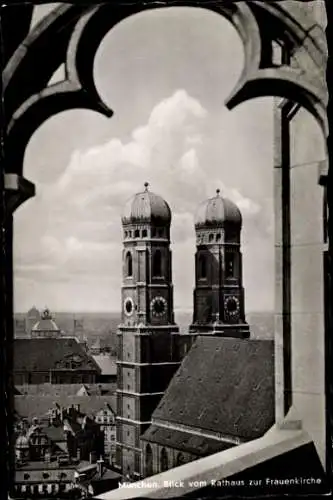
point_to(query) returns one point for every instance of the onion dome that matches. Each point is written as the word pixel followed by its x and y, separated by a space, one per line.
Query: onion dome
pixel 147 207
pixel 22 443
pixel 218 212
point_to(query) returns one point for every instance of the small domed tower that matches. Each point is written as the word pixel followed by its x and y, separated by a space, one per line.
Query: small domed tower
pixel 219 294
pixel 146 335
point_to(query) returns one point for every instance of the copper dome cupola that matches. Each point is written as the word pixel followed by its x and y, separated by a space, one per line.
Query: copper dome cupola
pixel 218 212
pixel 146 208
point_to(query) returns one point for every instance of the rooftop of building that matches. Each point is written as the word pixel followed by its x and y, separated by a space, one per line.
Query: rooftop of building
pixel 107 364
pixel 39 406
pixel 55 390
pixel 224 385
pixel 44 354
pixel 46 323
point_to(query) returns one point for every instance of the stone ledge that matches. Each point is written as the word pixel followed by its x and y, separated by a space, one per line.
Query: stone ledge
pixel 218 466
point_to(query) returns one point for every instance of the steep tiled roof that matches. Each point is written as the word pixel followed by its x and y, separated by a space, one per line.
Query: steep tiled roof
pixel 45 354
pixel 224 385
pixel 184 441
pixel 38 406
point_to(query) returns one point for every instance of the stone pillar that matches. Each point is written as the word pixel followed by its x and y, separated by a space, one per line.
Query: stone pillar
pixel 307 152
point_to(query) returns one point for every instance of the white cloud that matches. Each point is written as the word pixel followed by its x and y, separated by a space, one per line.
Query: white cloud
pixel 77 232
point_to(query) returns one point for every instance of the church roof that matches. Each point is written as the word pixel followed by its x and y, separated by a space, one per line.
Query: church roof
pixel 147 207
pixel 224 385
pixel 184 441
pixel 44 354
pixel 217 211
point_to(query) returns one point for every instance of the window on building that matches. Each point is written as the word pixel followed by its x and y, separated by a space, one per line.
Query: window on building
pixel 160 233
pixel 144 233
pixel 211 237
pixel 46 475
pixel 180 459
pixel 202 266
pixel 137 233
pixel 229 266
pixel 218 237
pixel 164 460
pixel 149 461
pixel 129 264
pixel 157 263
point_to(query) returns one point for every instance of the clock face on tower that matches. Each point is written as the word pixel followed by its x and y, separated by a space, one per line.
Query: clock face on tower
pixel 158 306
pixel 128 306
pixel 231 306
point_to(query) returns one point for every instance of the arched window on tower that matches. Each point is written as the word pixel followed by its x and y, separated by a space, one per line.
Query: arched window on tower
pixel 202 265
pixel 164 460
pixel 229 266
pixel 129 264
pixel 149 461
pixel 157 263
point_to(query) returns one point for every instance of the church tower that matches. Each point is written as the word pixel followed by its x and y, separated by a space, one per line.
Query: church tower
pixel 219 295
pixel 146 354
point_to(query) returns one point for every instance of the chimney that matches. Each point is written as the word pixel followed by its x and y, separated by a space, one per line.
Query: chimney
pixel 100 467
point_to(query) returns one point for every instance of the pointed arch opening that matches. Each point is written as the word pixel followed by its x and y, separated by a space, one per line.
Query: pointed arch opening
pixel 157 263
pixel 149 461
pixel 202 266
pixel 129 264
pixel 164 460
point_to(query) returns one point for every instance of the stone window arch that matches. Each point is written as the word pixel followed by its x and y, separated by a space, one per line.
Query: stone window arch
pixel 149 461
pixel 164 460
pixel 129 264
pixel 157 263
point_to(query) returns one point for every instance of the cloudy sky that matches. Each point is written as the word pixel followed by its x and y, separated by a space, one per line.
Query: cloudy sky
pixel 166 75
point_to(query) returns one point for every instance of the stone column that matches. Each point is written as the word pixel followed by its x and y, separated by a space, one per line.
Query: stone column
pixel 308 151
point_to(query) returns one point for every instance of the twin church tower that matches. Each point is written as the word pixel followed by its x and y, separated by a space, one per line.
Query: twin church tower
pixel 150 346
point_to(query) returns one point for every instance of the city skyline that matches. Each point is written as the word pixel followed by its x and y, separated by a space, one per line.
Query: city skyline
pixel 172 131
